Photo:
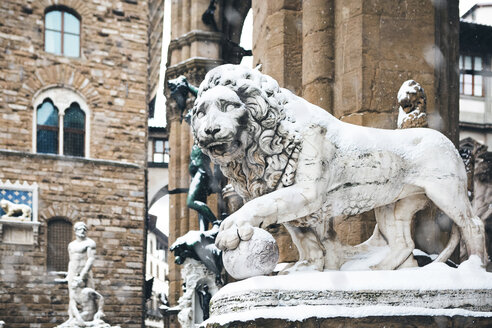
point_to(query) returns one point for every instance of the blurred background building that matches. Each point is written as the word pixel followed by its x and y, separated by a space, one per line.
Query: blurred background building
pixel 475 73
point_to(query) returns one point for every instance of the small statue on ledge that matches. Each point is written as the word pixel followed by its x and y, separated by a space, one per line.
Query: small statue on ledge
pixel 15 211
pixel 413 106
pixel 200 246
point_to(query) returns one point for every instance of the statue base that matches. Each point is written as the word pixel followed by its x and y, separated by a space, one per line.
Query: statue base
pixel 430 296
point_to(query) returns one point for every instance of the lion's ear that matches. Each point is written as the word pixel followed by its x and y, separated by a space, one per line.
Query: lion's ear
pixel 243 91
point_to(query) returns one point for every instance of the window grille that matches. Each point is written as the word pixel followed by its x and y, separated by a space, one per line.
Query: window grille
pixel 59 236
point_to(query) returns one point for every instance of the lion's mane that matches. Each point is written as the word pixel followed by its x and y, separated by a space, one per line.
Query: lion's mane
pixel 271 154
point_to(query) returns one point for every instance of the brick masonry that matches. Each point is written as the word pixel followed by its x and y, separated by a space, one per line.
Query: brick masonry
pixel 106 191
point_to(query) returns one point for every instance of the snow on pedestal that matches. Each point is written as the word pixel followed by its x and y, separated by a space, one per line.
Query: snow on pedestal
pixel 434 290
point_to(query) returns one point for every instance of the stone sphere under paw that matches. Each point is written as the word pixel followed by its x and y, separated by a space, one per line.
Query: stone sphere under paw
pixel 254 257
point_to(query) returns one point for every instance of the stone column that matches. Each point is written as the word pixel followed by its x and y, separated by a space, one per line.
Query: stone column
pixel 318 52
pixel 194 49
pixel 277 41
pixel 380 44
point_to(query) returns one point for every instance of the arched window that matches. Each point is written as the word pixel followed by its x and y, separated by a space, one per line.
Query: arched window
pixel 74 131
pixel 47 128
pixel 62 32
pixel 62 125
pixel 59 236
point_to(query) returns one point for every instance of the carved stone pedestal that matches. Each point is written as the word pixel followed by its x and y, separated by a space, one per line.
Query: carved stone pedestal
pixel 433 296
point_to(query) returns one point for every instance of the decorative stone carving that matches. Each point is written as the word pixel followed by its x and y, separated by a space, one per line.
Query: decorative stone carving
pixel 413 106
pixel 15 211
pixel 256 256
pixel 478 163
pixel 18 213
pixel 85 308
pixel 296 164
pixel 195 275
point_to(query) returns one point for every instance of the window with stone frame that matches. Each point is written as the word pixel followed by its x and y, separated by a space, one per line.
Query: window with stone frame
pixel 47 127
pixel 74 131
pixel 59 236
pixel 61 123
pixel 471 75
pixel 62 32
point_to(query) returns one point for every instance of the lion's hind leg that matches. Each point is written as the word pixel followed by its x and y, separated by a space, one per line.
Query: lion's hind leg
pixel 311 252
pixel 394 221
pixel 451 197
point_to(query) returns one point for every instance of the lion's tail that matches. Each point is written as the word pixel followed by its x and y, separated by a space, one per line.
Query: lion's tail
pixel 451 245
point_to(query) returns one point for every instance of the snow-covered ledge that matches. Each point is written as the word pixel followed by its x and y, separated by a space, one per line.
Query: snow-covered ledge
pixel 434 290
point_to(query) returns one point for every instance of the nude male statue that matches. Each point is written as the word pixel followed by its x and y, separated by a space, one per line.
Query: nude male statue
pixel 85 308
pixel 81 252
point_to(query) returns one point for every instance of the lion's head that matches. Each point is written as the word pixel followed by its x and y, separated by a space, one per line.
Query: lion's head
pixel 411 97
pixel 219 122
pixel 237 121
pixel 4 204
pixel 412 101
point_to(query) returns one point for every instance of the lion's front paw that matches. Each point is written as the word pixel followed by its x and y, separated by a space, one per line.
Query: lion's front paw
pixel 229 237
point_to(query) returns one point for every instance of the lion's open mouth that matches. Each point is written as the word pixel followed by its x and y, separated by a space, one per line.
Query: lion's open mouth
pixel 221 148
pixel 218 148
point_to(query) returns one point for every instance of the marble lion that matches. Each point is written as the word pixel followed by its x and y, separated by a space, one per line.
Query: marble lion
pixel 295 164
pixel 20 211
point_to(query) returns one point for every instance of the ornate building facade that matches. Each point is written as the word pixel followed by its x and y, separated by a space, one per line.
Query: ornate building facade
pixel 74 79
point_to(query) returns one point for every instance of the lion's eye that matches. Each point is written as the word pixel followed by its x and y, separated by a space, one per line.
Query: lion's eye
pixel 200 114
pixel 230 107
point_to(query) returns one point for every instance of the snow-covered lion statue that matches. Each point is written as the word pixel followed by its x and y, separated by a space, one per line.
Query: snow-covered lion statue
pixel 295 164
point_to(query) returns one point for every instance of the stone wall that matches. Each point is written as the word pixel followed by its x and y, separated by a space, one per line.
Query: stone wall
pixel 351 57
pixel 108 197
pixel 107 188
pixel 156 20
pixel 111 73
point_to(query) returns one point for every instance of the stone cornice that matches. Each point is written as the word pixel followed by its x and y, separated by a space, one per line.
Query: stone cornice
pixel 194 36
pixel 7 152
pixel 192 63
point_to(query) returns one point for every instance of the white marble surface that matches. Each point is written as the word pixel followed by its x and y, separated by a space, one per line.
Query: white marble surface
pixel 296 164
pixel 254 257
